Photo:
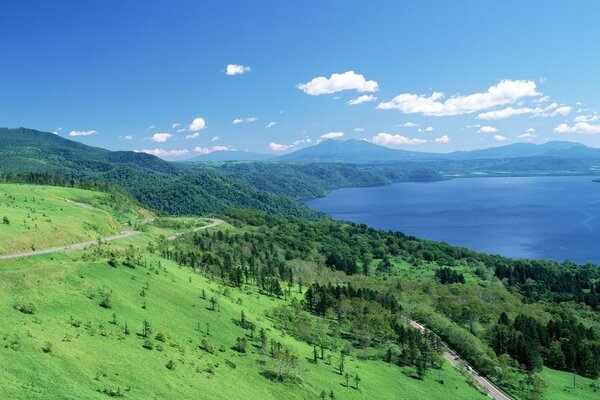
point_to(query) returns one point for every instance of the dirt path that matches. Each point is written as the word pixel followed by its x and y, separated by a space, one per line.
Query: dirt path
pixel 123 235
pixel 82 205
pixel 453 358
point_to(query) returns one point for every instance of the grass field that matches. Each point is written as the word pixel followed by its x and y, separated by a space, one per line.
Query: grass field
pixel 57 341
pixel 42 217
pixel 71 326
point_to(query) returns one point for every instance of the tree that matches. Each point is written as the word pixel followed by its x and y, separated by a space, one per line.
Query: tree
pixel 342 362
pixel 323 395
pixel 356 381
pixel 5 220
pixel 315 355
pixel 213 303
pixel 347 377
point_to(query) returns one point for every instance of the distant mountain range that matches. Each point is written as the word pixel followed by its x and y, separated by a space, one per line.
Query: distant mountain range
pixel 363 152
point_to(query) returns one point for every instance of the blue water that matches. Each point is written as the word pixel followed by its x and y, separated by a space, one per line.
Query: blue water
pixel 543 217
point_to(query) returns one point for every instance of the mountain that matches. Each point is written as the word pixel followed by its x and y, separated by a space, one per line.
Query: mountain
pixel 363 152
pixel 351 151
pixel 231 155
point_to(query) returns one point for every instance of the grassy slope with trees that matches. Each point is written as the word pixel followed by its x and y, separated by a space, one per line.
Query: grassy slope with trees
pixel 120 320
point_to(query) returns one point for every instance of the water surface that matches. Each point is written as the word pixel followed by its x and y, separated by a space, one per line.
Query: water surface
pixel 541 217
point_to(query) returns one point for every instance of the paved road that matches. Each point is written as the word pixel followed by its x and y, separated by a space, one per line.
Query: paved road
pixel 457 362
pixel 123 235
pixel 215 222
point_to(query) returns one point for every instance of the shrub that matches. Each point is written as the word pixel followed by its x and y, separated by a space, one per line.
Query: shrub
pixel 47 347
pixel 26 307
pixel 148 344
pixel 170 365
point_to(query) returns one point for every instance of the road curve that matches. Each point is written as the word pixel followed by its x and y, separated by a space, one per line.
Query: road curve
pixel 123 235
pixel 215 222
pixel 450 355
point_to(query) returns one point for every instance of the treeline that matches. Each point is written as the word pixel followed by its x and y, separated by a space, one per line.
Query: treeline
pixel 372 319
pixel 235 259
pixel 562 344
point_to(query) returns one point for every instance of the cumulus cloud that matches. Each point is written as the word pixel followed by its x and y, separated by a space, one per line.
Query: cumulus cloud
pixel 197 124
pixel 365 98
pixel 207 150
pixel 428 129
pixel 57 130
pixel 280 147
pixel 332 135
pixel 587 118
pixel 161 137
pixel 193 135
pixel 542 99
pixel 337 82
pixel 387 139
pixel 128 137
pixel 175 125
pixel 215 138
pixel 500 138
pixel 82 133
pixel 298 142
pixel 579 127
pixel 359 129
pixel 505 113
pixel 442 139
pixel 150 128
pixel 271 124
pixel 564 111
pixel 528 134
pixel 551 110
pixel 236 69
pixel 505 92
pixel 487 129
pixel 165 153
pixel 409 124
pixel 238 121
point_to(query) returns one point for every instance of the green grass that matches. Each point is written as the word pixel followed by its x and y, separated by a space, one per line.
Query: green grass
pixel 560 386
pixel 90 354
pixel 42 217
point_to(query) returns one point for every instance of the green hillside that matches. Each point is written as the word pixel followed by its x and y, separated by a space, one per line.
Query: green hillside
pixel 269 307
pixel 73 327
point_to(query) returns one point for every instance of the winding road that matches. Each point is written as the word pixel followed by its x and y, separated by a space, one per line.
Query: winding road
pixel 450 355
pixel 123 235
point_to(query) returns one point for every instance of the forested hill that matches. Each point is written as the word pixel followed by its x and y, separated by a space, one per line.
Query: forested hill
pixel 188 188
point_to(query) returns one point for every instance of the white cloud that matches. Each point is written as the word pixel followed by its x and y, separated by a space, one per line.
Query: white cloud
pixel 527 136
pixel 161 137
pixel 280 147
pixel 365 98
pixel 82 133
pixel 409 124
pixel 564 111
pixel 57 130
pixel 193 136
pixel 505 92
pixel 395 140
pixel 271 124
pixel 338 82
pixel 332 135
pixel 175 125
pixel 505 113
pixel 238 121
pixel 236 69
pixel 197 124
pixel 579 127
pixel 165 153
pixel 128 137
pixel 500 138
pixel 207 150
pixel 542 99
pixel 442 139
pixel 587 118
pixel 215 138
pixel 358 129
pixel 298 142
pixel 487 129
pixel 150 128
pixel 181 130
pixel 428 129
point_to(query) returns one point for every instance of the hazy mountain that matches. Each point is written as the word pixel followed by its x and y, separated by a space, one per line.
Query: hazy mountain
pixel 232 155
pixel 363 152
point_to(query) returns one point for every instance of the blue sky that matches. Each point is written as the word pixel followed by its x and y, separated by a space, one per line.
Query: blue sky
pixel 430 76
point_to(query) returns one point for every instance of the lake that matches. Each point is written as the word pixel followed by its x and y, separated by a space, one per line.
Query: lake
pixel 541 217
